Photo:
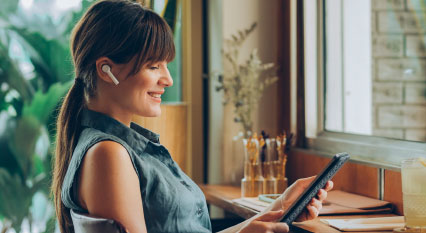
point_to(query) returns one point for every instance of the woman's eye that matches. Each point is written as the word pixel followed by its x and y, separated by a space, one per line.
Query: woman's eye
pixel 155 67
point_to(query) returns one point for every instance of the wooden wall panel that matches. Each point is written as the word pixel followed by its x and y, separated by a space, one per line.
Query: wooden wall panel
pixel 393 189
pixel 172 127
pixel 303 165
pixel 192 85
pixel 354 178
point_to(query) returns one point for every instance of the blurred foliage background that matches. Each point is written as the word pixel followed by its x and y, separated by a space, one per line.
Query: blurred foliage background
pixel 35 73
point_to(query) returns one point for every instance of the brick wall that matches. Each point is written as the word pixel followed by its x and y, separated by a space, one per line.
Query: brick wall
pixel 399 73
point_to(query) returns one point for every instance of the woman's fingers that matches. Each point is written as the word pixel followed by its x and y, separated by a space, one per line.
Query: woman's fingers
pixel 329 186
pixel 271 216
pixel 279 227
pixel 267 223
pixel 304 182
pixel 313 209
pixel 316 203
pixel 265 227
pixel 313 212
pixel 322 195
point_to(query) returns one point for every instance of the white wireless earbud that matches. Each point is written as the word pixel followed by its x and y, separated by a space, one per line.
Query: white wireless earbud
pixel 107 69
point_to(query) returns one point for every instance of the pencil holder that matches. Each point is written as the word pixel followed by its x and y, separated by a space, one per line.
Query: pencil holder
pixel 270 184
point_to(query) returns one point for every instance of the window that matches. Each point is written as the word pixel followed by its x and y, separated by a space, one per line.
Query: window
pixel 366 76
pixel 375 68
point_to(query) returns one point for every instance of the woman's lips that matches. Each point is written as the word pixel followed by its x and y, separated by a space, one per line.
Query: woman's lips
pixel 156 96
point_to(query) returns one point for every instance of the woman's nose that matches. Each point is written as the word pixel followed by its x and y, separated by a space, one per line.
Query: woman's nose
pixel 166 79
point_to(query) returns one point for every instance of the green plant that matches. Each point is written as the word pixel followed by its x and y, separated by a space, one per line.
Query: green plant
pixel 27 104
pixel 243 82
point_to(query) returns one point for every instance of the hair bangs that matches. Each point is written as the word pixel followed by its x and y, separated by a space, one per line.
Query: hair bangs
pixel 157 44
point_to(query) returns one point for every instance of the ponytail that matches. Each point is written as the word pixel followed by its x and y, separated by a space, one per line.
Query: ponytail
pixel 67 127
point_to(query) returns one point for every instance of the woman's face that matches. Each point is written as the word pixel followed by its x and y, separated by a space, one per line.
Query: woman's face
pixel 140 93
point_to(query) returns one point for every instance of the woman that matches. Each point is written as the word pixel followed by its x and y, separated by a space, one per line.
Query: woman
pixel 107 166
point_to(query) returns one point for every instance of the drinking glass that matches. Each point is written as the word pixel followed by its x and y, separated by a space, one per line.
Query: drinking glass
pixel 413 172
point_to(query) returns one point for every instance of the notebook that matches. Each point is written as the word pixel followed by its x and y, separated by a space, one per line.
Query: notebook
pixel 337 202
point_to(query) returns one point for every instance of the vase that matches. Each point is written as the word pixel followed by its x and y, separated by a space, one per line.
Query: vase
pixel 279 169
pixel 252 185
pixel 236 165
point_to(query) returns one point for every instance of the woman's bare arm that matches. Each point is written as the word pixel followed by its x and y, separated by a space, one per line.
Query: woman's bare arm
pixel 109 186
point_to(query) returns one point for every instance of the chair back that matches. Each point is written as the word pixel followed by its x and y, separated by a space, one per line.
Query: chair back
pixel 88 224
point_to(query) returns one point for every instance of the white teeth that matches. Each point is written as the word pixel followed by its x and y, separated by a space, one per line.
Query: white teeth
pixel 155 95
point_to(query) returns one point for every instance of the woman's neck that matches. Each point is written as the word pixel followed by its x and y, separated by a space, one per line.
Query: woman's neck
pixel 109 109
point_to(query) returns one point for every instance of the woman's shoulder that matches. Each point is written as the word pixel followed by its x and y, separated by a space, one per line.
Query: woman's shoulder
pixel 96 155
pixel 97 146
pixel 109 152
pixel 93 136
pixel 90 137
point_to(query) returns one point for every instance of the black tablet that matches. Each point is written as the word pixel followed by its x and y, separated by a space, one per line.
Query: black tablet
pixel 312 190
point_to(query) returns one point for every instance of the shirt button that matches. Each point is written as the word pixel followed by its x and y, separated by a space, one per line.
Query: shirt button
pixel 186 185
pixel 199 211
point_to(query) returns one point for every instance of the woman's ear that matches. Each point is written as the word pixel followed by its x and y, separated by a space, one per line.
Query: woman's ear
pixel 103 75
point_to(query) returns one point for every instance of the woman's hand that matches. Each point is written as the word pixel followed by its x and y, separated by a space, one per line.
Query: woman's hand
pixel 266 223
pixel 267 220
pixel 295 190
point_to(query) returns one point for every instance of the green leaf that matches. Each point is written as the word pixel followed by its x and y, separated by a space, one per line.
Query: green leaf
pixel 43 104
pixel 8 7
pixel 170 12
pixel 7 158
pixel 38 165
pixel 22 142
pixel 51 58
pixel 11 75
pixel 50 225
pixel 15 198
pixel 3 104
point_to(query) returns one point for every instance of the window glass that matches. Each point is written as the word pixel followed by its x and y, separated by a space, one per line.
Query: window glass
pixel 375 68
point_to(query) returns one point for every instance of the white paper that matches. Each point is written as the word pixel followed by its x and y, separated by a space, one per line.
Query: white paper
pixel 366 224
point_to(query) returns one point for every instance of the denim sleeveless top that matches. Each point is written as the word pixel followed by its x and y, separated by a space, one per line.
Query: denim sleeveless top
pixel 172 202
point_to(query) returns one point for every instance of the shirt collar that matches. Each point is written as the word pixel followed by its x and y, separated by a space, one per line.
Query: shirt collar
pixel 135 135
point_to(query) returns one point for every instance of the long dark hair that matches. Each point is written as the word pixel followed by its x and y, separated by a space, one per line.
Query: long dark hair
pixel 120 30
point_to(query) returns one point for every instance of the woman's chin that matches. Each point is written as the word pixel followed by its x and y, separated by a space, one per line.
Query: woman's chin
pixel 152 113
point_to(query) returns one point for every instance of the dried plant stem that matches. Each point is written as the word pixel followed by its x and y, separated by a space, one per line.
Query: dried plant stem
pixel 244 82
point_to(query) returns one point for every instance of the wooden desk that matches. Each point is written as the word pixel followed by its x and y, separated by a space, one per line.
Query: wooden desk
pixel 222 195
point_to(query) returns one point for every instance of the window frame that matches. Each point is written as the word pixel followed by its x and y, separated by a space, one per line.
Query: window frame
pixel 375 151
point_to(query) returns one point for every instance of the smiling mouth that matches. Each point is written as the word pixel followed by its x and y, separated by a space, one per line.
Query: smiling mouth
pixel 155 95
